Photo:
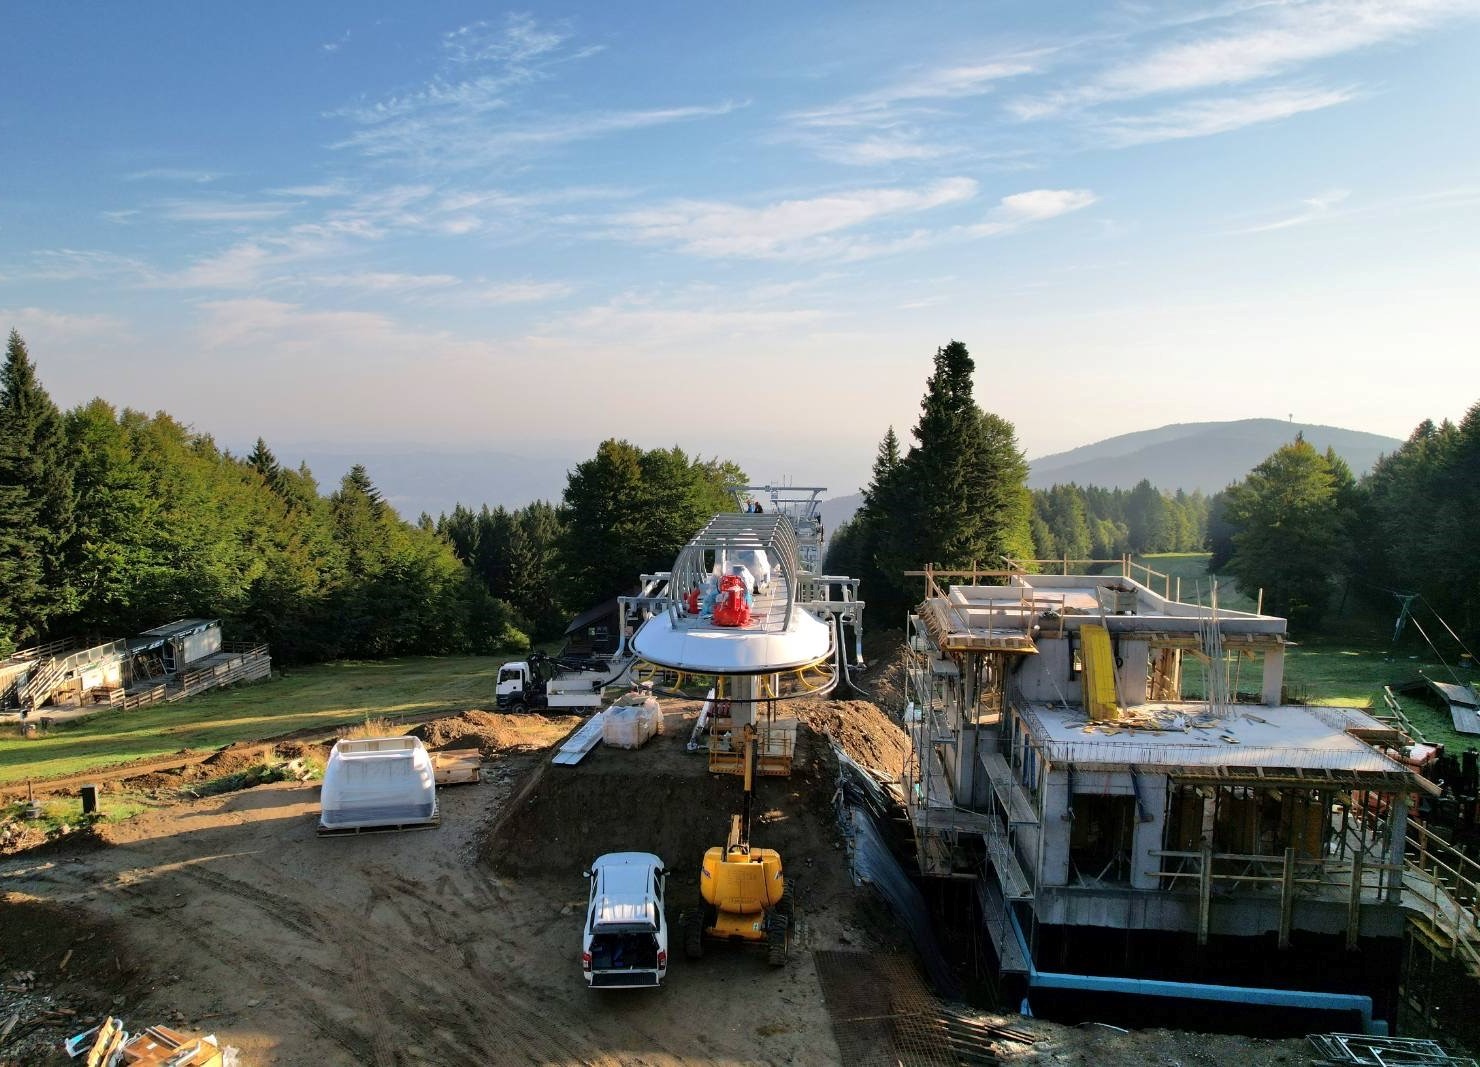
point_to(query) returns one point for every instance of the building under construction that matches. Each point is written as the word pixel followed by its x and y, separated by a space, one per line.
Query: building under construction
pixel 1132 846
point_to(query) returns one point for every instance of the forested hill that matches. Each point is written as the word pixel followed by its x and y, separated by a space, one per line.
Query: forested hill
pixel 1192 456
pixel 1205 456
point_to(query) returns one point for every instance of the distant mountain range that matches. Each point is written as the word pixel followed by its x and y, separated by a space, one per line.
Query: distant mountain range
pixel 1189 455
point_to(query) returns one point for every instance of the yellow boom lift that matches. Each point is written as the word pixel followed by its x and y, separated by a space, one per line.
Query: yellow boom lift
pixel 746 897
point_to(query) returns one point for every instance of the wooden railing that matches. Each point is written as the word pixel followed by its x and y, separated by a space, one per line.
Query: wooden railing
pixel 1454 906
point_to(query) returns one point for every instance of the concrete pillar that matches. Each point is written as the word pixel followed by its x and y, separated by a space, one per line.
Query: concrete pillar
pixel 966 735
pixel 743 689
pixel 1274 676
pixel 1398 827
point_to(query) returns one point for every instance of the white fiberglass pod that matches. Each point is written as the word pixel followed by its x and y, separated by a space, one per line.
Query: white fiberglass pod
pixel 378 782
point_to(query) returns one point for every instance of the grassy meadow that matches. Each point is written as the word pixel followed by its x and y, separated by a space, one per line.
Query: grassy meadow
pixel 325 696
pixel 1347 664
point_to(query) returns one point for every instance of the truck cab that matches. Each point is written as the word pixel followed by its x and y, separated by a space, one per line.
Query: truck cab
pixel 514 690
pixel 625 941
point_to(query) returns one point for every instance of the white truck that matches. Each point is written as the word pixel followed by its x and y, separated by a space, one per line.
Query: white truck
pixel 625 942
pixel 545 682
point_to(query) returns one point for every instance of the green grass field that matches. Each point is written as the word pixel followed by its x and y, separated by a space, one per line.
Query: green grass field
pixel 324 696
pixel 1347 665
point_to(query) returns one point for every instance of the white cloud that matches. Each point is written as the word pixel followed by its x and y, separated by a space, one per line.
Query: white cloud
pixel 884 125
pixel 522 292
pixel 72 264
pixel 790 229
pixel 42 328
pixel 1036 205
pixel 174 174
pixel 1257 41
pixel 224 210
pixel 1283 36
pixel 1202 118
pixel 465 117
pixel 384 282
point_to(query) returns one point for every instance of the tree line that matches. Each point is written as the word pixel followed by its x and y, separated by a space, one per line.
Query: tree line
pixel 1304 530
pixel 115 521
pixel 112 522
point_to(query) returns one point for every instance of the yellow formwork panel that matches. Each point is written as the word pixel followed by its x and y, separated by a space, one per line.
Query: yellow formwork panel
pixel 1099 673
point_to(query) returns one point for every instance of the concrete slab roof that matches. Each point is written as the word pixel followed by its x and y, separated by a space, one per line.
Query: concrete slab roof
pixel 1253 736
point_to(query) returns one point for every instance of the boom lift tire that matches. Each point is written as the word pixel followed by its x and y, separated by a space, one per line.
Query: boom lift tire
pixel 693 935
pixel 777 929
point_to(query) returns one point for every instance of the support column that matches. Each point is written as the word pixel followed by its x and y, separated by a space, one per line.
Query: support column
pixel 743 691
pixel 1274 676
pixel 1398 828
pixel 966 735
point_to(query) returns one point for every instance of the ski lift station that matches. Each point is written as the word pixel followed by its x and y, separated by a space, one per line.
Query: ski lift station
pixel 1129 841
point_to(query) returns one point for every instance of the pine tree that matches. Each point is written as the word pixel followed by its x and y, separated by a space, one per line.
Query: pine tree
pixel 37 501
pixel 958 497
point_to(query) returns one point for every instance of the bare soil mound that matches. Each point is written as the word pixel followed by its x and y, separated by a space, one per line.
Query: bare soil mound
pixel 884 679
pixel 867 734
pixel 493 732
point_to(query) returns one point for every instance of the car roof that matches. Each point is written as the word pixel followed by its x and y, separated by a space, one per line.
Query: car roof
pixel 626 859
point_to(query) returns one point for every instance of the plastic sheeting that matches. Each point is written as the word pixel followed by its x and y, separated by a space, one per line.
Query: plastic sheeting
pixel 631 721
pixel 862 804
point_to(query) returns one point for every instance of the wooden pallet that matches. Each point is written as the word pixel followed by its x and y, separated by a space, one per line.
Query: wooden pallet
pixel 457 767
pixel 387 828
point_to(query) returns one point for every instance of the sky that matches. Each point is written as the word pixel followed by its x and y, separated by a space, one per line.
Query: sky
pixel 742 229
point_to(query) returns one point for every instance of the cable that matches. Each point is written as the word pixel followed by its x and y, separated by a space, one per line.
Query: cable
pixel 1446 626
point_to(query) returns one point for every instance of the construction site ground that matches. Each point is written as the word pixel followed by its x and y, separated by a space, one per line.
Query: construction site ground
pixel 460 944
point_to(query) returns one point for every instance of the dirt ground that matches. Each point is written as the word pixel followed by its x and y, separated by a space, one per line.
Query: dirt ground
pixel 459 945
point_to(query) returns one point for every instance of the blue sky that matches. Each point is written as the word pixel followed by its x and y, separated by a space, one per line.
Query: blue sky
pixel 742 230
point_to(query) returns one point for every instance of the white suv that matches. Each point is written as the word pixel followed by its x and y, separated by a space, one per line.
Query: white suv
pixel 626 937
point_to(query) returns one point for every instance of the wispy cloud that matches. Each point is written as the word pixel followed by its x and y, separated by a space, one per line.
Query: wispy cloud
pixel 477 110
pixel 174 174
pixel 317 191
pixel 889 124
pixel 42 327
pixel 790 229
pixel 224 210
pixel 1312 209
pixel 1335 204
pixel 383 282
pixel 1022 209
pixel 1281 36
pixel 522 292
pixel 1202 118
pixel 72 264
pixel 1245 42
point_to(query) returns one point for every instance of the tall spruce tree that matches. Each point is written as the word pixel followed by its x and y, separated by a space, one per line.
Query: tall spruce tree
pixel 37 501
pixel 958 497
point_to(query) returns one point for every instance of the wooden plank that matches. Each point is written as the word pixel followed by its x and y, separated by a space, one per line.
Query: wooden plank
pixel 459 767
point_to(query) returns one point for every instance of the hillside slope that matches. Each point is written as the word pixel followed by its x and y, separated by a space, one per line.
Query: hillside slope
pixel 1198 455
pixel 1185 455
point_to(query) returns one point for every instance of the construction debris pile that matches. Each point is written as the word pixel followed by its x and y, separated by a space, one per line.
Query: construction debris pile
pixel 109 1044
pixel 1367 1050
